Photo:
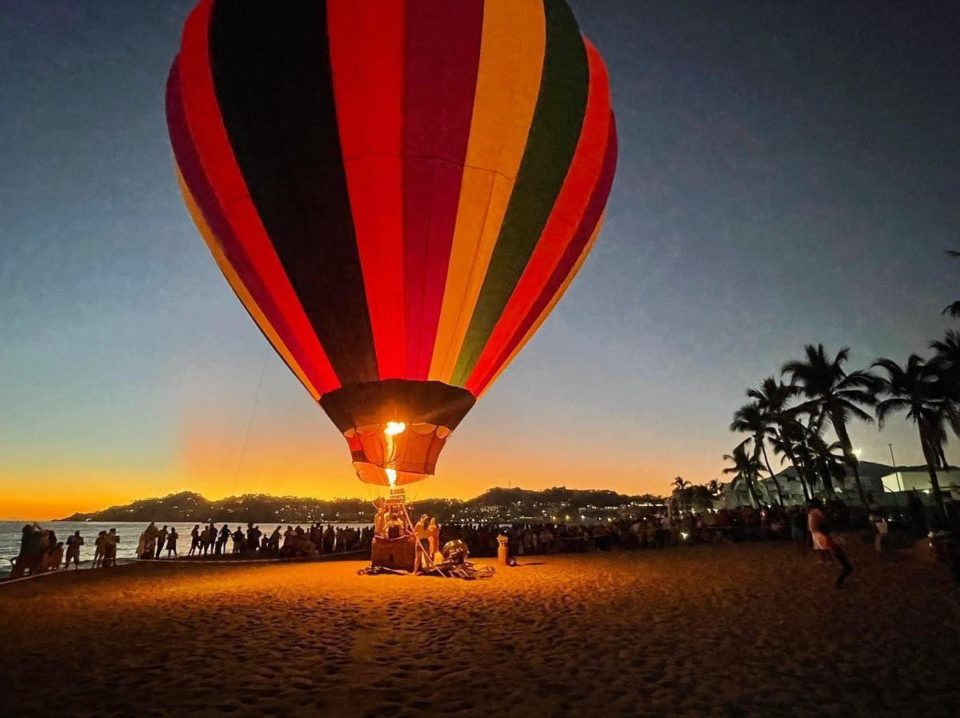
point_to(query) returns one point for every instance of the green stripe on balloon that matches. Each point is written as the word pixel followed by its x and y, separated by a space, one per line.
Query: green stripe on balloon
pixel 557 121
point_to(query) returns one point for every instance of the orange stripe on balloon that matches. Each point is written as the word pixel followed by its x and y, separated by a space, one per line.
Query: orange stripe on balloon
pixel 213 244
pixel 508 83
pixel 366 53
pixel 544 314
pixel 561 228
pixel 205 123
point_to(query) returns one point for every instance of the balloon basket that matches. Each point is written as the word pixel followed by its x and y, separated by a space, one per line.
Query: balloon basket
pixel 394 545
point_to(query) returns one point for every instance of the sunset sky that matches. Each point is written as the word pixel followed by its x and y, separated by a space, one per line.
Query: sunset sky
pixel 787 175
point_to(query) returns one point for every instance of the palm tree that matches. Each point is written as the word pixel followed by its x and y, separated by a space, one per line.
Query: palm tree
pixel 946 364
pixel 745 467
pixel 918 390
pixel 948 350
pixel 790 440
pixel 715 488
pixel 752 419
pixel 771 402
pixel 680 486
pixel 953 309
pixel 827 461
pixel 827 387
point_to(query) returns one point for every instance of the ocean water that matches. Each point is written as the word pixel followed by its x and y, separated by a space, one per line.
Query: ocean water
pixel 129 533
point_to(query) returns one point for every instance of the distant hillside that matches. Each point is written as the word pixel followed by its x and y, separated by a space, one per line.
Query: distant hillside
pixel 188 506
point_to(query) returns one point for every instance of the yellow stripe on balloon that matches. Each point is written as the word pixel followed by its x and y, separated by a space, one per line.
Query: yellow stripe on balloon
pixel 508 83
pixel 238 287
pixel 549 308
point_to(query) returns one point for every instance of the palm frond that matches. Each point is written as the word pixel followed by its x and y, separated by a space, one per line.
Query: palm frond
pixel 952 310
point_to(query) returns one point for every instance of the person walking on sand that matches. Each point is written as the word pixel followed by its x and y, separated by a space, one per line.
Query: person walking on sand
pixel 878 521
pixel 172 542
pixel 815 523
pixel 73 550
pixel 822 541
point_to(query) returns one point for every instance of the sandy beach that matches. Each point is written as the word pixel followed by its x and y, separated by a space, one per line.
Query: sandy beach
pixel 727 631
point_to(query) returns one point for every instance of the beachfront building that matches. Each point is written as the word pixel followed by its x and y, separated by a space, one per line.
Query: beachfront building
pixel 889 486
pixel 917 478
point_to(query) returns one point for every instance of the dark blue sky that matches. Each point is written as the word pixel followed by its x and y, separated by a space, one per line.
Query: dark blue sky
pixel 789 173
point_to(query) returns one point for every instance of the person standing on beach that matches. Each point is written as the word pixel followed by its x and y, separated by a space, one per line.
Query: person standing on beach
pixel 433 532
pixel 206 539
pixel 161 541
pixel 274 542
pixel 172 542
pixel 222 539
pixel 422 533
pixel 110 541
pixel 73 550
pixel 98 547
pixel 253 537
pixel 194 540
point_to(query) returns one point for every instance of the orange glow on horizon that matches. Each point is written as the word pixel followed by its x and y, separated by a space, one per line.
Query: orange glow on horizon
pixel 297 452
pixel 462 475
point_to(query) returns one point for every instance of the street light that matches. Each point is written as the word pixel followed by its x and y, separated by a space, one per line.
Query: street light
pixel 899 484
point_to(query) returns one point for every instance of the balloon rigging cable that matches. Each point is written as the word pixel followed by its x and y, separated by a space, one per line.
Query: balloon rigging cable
pixel 246 436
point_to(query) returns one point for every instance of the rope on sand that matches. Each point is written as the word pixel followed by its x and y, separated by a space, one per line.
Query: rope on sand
pixel 242 561
pixel 186 561
pixel 55 572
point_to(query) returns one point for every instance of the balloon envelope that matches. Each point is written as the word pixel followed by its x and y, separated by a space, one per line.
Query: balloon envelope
pixel 398 191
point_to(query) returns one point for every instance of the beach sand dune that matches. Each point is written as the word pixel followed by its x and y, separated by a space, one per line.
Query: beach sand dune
pixel 705 631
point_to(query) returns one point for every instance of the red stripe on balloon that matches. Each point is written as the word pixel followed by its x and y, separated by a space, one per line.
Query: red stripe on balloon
pixel 366 54
pixel 562 226
pixel 442 48
pixel 196 180
pixel 598 200
pixel 245 242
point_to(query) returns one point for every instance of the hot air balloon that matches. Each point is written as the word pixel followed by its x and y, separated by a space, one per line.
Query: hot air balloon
pixel 398 191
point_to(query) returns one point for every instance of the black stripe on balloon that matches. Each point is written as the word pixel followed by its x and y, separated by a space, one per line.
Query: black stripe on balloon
pixel 274 85
pixel 413 402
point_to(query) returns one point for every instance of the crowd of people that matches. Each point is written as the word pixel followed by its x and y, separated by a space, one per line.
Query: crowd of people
pixel 813 526
pixel 40 551
pixel 808 526
pixel 290 542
